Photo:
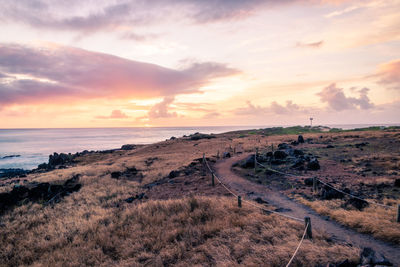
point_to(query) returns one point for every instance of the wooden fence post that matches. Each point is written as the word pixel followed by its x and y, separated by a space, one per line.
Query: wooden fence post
pixel 307 222
pixel 315 184
pixel 204 164
pixel 218 154
pixel 212 179
pixel 255 162
pixel 239 201
pixel 398 213
pixel 272 148
pixel 234 150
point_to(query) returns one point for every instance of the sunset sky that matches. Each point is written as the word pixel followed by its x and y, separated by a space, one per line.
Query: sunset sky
pixel 97 63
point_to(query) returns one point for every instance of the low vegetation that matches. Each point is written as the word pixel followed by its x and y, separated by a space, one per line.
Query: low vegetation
pixel 375 220
pixel 189 231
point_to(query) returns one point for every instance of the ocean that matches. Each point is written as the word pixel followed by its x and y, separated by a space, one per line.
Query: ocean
pixel 33 146
pixel 27 148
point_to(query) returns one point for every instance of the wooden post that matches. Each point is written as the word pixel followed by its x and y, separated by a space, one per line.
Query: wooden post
pixel 239 201
pixel 204 164
pixel 398 213
pixel 218 154
pixel 255 163
pixel 314 184
pixel 212 179
pixel 307 222
pixel 272 148
pixel 234 150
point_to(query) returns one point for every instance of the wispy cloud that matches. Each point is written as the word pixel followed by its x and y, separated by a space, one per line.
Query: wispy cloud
pixel 273 108
pixel 90 17
pixel 115 114
pixel 66 72
pixel 389 74
pixel 310 45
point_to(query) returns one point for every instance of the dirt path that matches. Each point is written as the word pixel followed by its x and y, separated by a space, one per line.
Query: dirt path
pixel 242 186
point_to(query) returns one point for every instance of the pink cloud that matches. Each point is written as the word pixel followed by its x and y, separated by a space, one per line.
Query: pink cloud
pixel 115 114
pixel 71 73
pixel 338 101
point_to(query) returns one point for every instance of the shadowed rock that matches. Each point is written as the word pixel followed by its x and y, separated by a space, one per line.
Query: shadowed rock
pixel 38 192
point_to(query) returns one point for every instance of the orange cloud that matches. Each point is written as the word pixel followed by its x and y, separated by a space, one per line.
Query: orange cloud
pixel 389 74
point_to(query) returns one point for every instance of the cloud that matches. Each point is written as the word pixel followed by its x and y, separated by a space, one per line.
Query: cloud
pixel 61 72
pixel 160 110
pixel 310 45
pixel 389 74
pixel 91 16
pixel 115 114
pixel 211 115
pixel 338 101
pixel 273 108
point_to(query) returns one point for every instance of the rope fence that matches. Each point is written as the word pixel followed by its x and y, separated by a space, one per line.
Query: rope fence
pixel 324 183
pixel 307 231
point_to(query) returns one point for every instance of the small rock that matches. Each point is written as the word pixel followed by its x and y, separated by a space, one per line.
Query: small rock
pixel 300 139
pixel 280 154
pixel 330 146
pixel 313 165
pixel 397 183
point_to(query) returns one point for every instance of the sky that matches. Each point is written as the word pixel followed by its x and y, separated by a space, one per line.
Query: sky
pixel 119 63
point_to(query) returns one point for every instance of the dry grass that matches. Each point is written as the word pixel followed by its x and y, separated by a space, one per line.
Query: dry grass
pixel 190 231
pixel 375 220
pixel 96 227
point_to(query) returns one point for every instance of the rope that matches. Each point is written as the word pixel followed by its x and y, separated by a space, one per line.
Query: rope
pixel 353 196
pixel 247 201
pixel 298 246
pixel 262 208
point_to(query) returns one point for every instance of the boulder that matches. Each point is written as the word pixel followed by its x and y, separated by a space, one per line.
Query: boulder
pixel 38 192
pixel 59 159
pixel 116 175
pixel 137 197
pixel 300 139
pixel 128 147
pixel 174 174
pixel 226 155
pixel 11 173
pixel 397 183
pixel 368 257
pixel 313 165
pixel 329 193
pixel 294 143
pixel 279 154
pixel 248 162
pixel 308 181
pixel 283 146
pixel 298 152
pixel 356 203
pixel 330 146
pixel 298 164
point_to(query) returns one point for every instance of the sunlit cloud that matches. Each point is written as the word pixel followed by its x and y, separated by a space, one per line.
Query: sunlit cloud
pixel 66 72
pixel 389 74
pixel 337 100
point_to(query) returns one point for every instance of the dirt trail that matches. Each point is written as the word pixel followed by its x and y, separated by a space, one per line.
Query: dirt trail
pixel 243 186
